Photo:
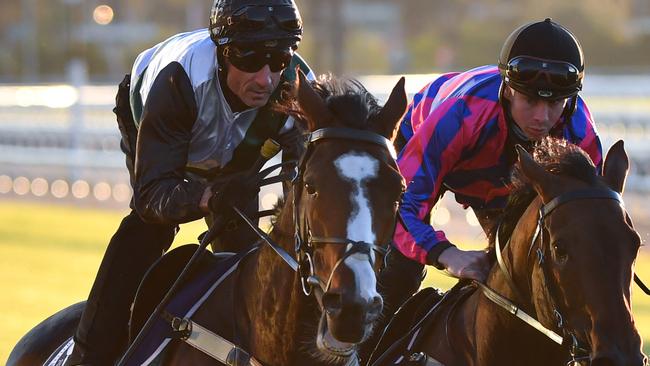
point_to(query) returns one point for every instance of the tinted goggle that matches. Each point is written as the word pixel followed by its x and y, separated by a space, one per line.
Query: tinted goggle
pixel 252 18
pixel 253 60
pixel 529 70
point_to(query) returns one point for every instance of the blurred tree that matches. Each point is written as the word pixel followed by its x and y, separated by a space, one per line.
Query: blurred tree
pixel 436 35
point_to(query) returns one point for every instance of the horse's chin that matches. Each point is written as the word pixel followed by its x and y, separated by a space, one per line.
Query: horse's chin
pixel 331 347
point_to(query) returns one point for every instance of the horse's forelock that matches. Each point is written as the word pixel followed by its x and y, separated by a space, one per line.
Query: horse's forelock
pixel 557 156
pixel 348 100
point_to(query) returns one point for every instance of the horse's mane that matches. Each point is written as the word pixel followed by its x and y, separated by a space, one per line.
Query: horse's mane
pixel 346 98
pixel 352 104
pixel 556 156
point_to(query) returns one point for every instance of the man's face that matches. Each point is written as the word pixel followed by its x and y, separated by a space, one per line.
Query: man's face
pixel 253 88
pixel 534 116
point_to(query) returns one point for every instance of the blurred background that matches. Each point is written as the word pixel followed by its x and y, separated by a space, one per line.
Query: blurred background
pixel 63 185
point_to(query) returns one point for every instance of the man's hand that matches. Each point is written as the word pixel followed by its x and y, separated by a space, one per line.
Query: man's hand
pixel 235 191
pixel 470 264
pixel 292 141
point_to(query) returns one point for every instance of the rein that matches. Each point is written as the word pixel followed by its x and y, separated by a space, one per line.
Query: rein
pixel 579 354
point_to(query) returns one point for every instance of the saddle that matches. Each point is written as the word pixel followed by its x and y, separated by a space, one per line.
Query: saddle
pixel 159 279
pixel 404 330
pixel 208 272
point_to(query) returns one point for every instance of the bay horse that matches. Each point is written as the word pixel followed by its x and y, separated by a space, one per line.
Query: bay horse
pixel 340 211
pixel 569 263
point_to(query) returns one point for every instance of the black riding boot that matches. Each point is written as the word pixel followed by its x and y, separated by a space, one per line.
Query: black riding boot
pixel 102 333
pixel 399 279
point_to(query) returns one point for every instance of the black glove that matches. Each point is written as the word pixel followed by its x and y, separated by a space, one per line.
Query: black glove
pixel 237 190
pixel 292 142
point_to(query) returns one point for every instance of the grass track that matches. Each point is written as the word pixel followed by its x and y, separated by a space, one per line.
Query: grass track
pixel 49 256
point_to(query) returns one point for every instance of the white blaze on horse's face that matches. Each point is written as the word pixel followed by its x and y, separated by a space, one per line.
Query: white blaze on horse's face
pixel 360 168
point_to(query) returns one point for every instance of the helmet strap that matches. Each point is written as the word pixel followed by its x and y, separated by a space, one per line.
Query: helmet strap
pixel 570 107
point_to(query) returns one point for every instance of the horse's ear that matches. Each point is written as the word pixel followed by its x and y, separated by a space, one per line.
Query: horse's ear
pixel 387 120
pixel 616 166
pixel 541 180
pixel 311 104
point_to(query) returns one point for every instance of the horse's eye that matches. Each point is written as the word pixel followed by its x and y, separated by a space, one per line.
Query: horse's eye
pixel 560 252
pixel 310 188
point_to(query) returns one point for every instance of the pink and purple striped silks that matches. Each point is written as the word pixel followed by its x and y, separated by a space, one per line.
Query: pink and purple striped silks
pixel 456 136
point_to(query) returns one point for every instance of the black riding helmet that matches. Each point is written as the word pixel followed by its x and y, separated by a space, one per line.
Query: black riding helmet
pixel 544 60
pixel 273 24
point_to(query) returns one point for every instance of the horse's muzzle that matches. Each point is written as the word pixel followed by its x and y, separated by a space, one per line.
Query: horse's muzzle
pixel 350 317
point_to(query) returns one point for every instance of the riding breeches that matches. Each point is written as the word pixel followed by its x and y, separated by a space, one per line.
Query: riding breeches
pixel 102 333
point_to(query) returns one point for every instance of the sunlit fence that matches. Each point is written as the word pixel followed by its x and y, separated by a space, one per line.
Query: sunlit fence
pixel 62 143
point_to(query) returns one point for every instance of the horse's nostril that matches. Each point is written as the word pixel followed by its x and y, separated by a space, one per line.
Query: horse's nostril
pixel 332 303
pixel 375 306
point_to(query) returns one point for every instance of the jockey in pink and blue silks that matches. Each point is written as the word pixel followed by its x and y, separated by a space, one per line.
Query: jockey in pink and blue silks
pixel 459 135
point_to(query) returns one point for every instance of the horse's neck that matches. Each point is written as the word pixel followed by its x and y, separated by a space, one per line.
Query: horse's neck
pixel 501 337
pixel 275 303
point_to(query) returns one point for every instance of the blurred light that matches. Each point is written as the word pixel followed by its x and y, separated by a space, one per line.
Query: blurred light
pixel 471 218
pixel 121 192
pixel 39 187
pixel 60 96
pixel 5 184
pixel 103 14
pixel 59 188
pixel 440 216
pixel 21 186
pixel 80 189
pixel 102 191
pixel 269 200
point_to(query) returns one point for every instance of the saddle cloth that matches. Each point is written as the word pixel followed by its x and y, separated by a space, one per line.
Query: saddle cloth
pixel 185 303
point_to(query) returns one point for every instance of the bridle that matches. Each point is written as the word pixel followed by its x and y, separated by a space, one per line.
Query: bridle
pixel 578 352
pixel 305 241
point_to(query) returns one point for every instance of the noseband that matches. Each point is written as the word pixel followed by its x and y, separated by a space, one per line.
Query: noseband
pixel 305 241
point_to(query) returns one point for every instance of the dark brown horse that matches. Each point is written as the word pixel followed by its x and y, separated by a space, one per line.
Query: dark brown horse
pixel 569 264
pixel 340 212
pixel 342 204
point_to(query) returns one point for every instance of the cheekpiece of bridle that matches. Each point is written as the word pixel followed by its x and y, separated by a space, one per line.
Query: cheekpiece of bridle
pixel 305 242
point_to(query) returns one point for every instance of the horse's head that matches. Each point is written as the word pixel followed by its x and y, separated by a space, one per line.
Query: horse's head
pixel 586 248
pixel 346 197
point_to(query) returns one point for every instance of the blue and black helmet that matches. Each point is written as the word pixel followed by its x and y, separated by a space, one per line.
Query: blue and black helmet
pixel 544 60
pixel 270 23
